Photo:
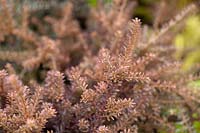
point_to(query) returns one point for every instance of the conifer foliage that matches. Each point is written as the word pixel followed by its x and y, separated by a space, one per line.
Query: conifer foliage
pixel 109 77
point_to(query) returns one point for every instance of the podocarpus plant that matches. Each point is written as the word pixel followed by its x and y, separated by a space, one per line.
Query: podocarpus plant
pixel 131 85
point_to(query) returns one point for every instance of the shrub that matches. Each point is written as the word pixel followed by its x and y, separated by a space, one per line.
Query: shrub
pixel 105 73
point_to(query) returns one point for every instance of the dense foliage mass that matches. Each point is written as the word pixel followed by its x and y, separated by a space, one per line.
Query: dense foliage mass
pixel 93 70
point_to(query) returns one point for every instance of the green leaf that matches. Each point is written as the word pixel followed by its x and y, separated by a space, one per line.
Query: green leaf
pixel 92 3
pixel 196 126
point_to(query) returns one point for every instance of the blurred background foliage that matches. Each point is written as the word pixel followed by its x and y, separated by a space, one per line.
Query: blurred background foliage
pixel 188 49
pixel 188 43
pixel 146 8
